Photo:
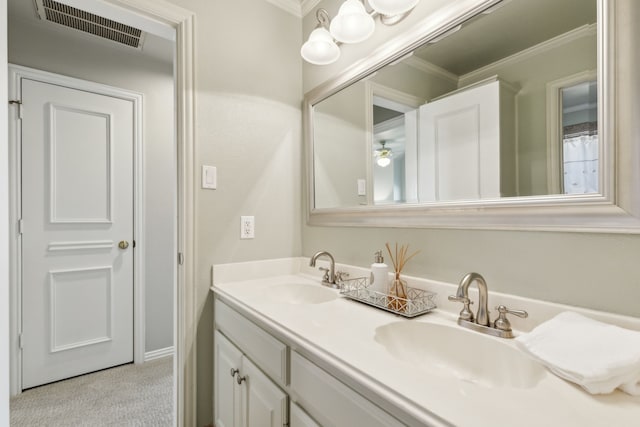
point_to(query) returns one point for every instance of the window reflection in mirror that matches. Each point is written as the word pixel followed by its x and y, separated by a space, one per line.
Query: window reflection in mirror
pixel 580 148
pixel 522 48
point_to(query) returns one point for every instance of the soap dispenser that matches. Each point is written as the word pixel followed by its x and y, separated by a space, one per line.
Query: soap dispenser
pixel 379 274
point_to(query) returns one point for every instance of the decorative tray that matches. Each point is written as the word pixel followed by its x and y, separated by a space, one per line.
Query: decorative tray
pixel 418 301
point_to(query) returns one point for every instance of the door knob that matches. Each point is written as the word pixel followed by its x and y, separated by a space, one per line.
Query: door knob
pixel 123 244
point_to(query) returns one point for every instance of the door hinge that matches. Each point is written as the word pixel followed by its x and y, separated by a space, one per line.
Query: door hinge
pixel 20 226
pixel 133 243
pixel 19 104
pixel 180 258
pixel 21 341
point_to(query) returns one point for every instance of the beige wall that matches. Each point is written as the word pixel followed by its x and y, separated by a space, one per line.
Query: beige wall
pixel 584 269
pixel 248 113
pixel 57 52
pixel 340 152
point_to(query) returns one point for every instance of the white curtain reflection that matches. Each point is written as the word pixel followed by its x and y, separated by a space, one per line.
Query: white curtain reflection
pixel 580 154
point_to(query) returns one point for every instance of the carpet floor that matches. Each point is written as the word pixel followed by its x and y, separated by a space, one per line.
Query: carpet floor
pixel 128 395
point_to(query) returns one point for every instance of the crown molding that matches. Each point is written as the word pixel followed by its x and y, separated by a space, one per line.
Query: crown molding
pixel 429 68
pixel 578 33
pixel 308 5
pixel 292 6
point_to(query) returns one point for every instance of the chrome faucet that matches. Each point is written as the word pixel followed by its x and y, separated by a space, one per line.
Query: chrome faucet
pixel 329 274
pixel 482 316
pixel 501 327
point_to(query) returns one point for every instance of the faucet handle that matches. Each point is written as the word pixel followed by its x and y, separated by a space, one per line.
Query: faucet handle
pixel 502 323
pixel 325 278
pixel 465 313
pixel 341 275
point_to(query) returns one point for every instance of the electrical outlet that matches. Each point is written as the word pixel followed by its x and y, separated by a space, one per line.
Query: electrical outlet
pixel 247 227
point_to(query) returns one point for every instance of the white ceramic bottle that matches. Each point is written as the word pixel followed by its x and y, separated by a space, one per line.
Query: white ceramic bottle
pixel 379 274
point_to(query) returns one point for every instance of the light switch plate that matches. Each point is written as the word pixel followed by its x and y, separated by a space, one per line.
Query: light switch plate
pixel 209 177
pixel 362 187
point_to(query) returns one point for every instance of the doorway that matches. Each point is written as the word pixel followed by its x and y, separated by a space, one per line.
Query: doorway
pixel 167 15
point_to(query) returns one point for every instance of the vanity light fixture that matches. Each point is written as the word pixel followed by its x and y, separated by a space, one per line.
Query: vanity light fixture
pixel 383 155
pixel 320 48
pixel 353 24
pixel 392 7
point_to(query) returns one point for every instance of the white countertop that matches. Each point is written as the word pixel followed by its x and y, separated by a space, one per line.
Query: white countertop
pixel 342 334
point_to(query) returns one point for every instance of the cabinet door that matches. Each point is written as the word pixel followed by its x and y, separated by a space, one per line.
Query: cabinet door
pixel 265 405
pixel 226 392
pixel 299 418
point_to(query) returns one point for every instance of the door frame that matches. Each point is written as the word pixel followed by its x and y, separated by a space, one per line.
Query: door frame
pixel 185 315
pixel 16 74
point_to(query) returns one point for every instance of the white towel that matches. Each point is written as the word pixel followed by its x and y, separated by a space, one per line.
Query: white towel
pixel 597 356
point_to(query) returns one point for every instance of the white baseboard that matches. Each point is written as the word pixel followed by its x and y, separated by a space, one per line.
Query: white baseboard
pixel 157 354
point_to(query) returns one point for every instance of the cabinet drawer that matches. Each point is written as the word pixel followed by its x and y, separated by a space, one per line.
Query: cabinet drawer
pixel 329 401
pixel 266 351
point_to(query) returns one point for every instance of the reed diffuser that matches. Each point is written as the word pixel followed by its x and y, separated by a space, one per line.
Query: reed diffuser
pixel 397 299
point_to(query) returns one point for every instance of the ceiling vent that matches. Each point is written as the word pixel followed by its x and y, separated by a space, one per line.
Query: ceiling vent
pixel 53 11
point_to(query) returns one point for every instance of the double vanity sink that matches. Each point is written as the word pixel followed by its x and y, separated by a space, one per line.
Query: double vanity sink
pixel 422 371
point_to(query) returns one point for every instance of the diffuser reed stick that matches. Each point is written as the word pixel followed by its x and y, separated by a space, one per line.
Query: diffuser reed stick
pixel 397 299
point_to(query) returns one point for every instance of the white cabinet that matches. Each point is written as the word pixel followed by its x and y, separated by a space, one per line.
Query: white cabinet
pixel 265 350
pixel 299 418
pixel 243 395
pixel 227 361
pixel 265 405
pixel 467 143
pixel 331 402
pixel 254 371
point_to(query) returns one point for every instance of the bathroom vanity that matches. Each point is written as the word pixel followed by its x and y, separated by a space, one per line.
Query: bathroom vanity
pixel 296 353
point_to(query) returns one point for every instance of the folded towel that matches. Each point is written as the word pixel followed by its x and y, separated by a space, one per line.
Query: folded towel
pixel 595 355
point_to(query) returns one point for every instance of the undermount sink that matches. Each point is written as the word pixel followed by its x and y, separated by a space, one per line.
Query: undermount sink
pixel 456 352
pixel 300 293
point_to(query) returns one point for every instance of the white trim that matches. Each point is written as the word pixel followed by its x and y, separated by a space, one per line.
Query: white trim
pixel 185 313
pixel 291 6
pixel 158 354
pixel 16 74
pixel 372 91
pixel 431 69
pixel 308 5
pixel 5 242
pixel 554 126
pixel 539 49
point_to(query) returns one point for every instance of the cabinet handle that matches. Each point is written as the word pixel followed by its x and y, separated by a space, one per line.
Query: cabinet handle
pixel 234 372
pixel 241 379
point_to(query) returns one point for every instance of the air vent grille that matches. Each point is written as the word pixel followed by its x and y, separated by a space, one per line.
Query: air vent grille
pixel 71 17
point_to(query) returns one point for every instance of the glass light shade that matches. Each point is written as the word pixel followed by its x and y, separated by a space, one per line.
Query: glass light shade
pixel 383 161
pixel 352 24
pixel 393 7
pixel 320 49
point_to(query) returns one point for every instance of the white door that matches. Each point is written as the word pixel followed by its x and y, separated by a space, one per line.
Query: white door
pixel 460 146
pixel 77 205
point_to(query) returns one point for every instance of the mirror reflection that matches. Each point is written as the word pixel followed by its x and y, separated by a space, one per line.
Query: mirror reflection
pixel 504 105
